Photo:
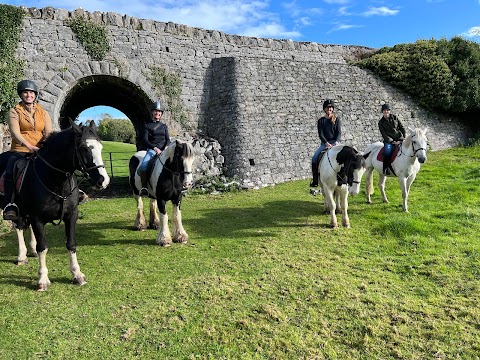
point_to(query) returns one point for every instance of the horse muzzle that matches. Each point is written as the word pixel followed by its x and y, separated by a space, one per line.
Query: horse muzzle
pixel 354 189
pixel 101 183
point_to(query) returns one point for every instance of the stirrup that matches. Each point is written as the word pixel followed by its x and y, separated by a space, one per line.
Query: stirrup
pixel 12 213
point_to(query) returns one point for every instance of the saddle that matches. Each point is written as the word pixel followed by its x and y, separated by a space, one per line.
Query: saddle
pixel 19 171
pixel 381 157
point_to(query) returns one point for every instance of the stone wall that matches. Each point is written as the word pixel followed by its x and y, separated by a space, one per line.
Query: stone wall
pixel 259 98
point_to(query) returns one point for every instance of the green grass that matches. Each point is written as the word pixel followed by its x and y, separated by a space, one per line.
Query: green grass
pixel 263 277
pixel 116 156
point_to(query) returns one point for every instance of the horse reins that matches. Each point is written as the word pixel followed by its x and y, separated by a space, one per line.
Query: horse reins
pixel 68 175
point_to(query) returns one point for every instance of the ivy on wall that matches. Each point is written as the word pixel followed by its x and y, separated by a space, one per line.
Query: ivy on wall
pixel 11 69
pixel 93 36
pixel 169 86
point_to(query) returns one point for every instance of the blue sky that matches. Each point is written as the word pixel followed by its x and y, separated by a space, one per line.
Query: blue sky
pixel 371 23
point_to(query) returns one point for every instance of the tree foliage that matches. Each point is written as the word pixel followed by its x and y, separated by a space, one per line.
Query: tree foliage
pixel 441 75
pixel 119 130
pixel 11 69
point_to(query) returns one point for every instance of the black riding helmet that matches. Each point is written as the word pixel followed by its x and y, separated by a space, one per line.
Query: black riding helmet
pixel 157 106
pixel 27 85
pixel 386 107
pixel 328 102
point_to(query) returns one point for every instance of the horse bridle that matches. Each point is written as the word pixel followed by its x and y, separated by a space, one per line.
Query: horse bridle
pixel 175 173
pixel 413 148
pixel 67 174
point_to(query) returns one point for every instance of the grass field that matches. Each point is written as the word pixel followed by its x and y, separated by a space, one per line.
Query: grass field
pixel 263 277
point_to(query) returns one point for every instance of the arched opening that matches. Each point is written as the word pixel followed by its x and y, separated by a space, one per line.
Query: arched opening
pixel 110 91
pixel 99 112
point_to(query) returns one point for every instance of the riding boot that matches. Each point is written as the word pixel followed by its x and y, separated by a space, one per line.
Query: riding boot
pixel 143 179
pixel 11 210
pixel 386 164
pixel 314 182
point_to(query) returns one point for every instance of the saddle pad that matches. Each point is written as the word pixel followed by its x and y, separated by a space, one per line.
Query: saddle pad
pixel 395 151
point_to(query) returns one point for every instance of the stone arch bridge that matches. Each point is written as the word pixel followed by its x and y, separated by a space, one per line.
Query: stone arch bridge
pixel 259 98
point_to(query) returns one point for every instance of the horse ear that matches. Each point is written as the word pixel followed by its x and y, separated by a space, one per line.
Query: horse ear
pixel 93 125
pixel 365 156
pixel 425 130
pixel 75 126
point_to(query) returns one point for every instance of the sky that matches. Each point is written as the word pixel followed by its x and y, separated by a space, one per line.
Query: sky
pixel 370 23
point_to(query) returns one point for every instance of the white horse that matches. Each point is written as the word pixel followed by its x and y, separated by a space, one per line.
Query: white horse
pixel 171 174
pixel 341 169
pixel 406 164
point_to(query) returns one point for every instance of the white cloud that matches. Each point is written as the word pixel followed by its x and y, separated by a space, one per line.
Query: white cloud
pixel 382 11
pixel 269 31
pixel 343 11
pixel 341 27
pixel 472 32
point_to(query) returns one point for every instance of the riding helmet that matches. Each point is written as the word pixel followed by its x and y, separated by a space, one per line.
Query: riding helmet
pixel 328 102
pixel 27 85
pixel 157 106
pixel 386 107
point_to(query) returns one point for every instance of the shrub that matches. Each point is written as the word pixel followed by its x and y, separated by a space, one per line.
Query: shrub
pixel 11 69
pixel 441 75
pixel 119 130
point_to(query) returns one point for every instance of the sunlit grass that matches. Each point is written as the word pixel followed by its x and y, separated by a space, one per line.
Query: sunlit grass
pixel 263 277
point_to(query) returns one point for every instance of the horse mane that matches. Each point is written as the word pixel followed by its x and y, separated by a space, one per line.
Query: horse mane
pixel 414 132
pixel 186 147
pixel 56 136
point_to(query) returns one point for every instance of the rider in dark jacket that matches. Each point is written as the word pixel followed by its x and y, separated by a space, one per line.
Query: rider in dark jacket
pixel 329 129
pixel 155 138
pixel 392 132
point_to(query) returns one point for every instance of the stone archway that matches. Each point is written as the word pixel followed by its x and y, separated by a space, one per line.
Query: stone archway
pixel 113 91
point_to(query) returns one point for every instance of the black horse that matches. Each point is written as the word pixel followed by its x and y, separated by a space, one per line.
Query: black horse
pixel 171 174
pixel 47 190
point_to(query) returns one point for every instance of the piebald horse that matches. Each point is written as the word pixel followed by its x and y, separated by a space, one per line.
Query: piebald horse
pixel 341 170
pixel 49 191
pixel 171 174
pixel 406 164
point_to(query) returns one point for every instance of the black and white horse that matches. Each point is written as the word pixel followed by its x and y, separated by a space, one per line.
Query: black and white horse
pixel 341 170
pixel 170 175
pixel 406 160
pixel 49 191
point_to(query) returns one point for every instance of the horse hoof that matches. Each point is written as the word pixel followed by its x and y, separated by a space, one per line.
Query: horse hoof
pixel 164 244
pixel 333 226
pixel 22 262
pixel 180 239
pixel 80 281
pixel 43 287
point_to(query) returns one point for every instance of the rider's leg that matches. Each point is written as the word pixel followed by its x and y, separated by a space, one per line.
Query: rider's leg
pixel 11 211
pixel 388 148
pixel 142 172
pixel 315 164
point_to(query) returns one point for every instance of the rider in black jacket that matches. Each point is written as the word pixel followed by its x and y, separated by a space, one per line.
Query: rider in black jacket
pixel 155 138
